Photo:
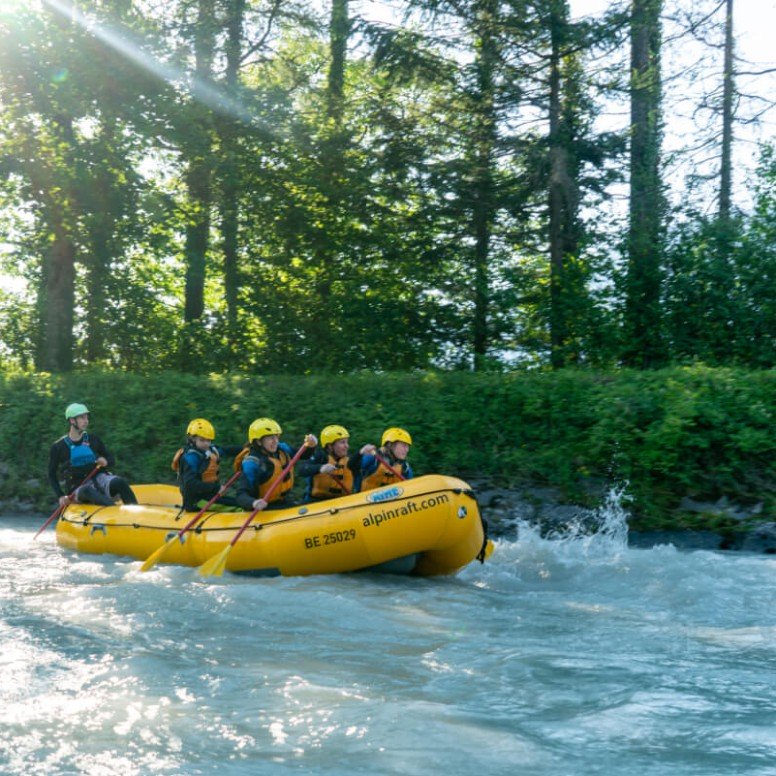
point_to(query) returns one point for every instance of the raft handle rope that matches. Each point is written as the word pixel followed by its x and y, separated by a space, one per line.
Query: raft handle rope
pixel 481 555
pixel 258 526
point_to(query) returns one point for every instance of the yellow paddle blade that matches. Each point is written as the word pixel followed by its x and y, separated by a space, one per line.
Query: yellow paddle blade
pixel 489 547
pixel 157 555
pixel 214 567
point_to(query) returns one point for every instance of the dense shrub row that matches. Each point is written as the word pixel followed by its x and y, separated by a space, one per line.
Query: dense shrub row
pixel 690 431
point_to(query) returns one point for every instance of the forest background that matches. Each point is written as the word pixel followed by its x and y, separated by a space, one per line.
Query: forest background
pixel 463 219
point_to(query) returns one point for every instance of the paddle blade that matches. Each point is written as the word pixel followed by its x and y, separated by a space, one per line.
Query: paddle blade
pixel 157 554
pixel 215 566
pixel 489 547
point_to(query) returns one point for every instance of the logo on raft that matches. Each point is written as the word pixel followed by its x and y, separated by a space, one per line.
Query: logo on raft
pixel 384 495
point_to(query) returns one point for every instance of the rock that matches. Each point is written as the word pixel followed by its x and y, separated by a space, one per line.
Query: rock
pixel 761 539
pixel 723 507
pixel 682 540
pixel 702 507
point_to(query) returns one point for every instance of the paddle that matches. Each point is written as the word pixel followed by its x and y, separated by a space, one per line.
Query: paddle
pixel 59 509
pixel 344 488
pixel 386 464
pixel 158 554
pixel 214 567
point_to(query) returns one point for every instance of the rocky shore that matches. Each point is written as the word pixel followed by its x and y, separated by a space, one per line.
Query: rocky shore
pixel 544 510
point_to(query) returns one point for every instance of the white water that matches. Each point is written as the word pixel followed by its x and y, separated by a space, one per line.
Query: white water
pixel 572 656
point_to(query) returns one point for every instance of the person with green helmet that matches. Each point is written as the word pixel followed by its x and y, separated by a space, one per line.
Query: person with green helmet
pixel 389 464
pixel 197 466
pixel 261 463
pixel 73 456
pixel 330 472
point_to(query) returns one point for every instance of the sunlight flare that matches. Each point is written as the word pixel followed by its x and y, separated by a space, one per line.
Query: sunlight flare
pixel 126 44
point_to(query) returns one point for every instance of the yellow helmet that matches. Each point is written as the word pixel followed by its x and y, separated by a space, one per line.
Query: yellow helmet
pixel 201 427
pixel 395 435
pixel 262 427
pixel 331 434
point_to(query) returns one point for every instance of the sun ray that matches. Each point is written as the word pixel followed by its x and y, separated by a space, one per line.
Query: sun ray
pixel 130 47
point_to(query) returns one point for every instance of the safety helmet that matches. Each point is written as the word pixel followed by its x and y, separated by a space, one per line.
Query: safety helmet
pixel 395 435
pixel 201 427
pixel 262 427
pixel 74 410
pixel 331 434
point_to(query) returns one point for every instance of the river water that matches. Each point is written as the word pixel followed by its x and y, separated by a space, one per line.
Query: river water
pixel 566 656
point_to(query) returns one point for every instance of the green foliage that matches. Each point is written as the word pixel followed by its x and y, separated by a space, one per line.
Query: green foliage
pixel 691 431
pixel 404 230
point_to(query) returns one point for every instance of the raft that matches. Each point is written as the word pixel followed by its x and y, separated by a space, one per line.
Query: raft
pixel 426 526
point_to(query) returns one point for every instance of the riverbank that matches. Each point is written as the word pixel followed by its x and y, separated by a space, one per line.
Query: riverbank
pixel 694 445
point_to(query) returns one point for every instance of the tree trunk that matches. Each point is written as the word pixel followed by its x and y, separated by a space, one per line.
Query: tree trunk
pixel 563 195
pixel 56 351
pixel 643 348
pixel 198 175
pixel 483 187
pixel 229 131
pixel 725 172
pixel 324 237
pixel 339 32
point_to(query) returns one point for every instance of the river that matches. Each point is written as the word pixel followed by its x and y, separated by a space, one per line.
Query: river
pixel 568 656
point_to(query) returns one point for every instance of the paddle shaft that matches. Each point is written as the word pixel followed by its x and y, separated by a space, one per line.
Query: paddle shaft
pixel 344 488
pixel 386 464
pixel 59 509
pixel 270 491
pixel 210 503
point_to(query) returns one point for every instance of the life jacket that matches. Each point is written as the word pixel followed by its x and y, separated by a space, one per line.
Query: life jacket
pixel 384 475
pixel 81 455
pixel 238 459
pixel 279 461
pixel 325 485
pixel 208 473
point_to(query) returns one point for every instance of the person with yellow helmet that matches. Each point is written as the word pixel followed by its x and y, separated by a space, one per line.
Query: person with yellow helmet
pixel 75 455
pixel 390 464
pixel 197 466
pixel 262 462
pixel 330 472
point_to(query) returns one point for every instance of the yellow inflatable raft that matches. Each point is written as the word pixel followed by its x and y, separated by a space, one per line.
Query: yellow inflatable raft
pixel 425 526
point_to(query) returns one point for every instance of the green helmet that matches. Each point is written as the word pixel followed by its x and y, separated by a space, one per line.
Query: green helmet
pixel 74 410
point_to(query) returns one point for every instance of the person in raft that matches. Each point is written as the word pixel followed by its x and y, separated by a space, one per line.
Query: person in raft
pixel 74 456
pixel 261 463
pixel 394 449
pixel 197 466
pixel 330 472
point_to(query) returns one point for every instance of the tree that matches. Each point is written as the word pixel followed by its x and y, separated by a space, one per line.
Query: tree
pixel 642 305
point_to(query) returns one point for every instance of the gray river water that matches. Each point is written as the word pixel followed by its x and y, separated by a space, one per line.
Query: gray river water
pixel 567 656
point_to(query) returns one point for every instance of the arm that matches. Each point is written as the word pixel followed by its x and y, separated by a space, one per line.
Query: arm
pixel 253 475
pixel 101 451
pixel 309 450
pixel 356 461
pixel 192 487
pixel 311 466
pixel 369 464
pixel 229 451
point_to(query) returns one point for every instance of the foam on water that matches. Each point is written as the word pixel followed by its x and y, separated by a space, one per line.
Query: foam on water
pixel 566 655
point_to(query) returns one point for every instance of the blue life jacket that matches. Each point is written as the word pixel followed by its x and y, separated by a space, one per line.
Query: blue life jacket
pixel 81 455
